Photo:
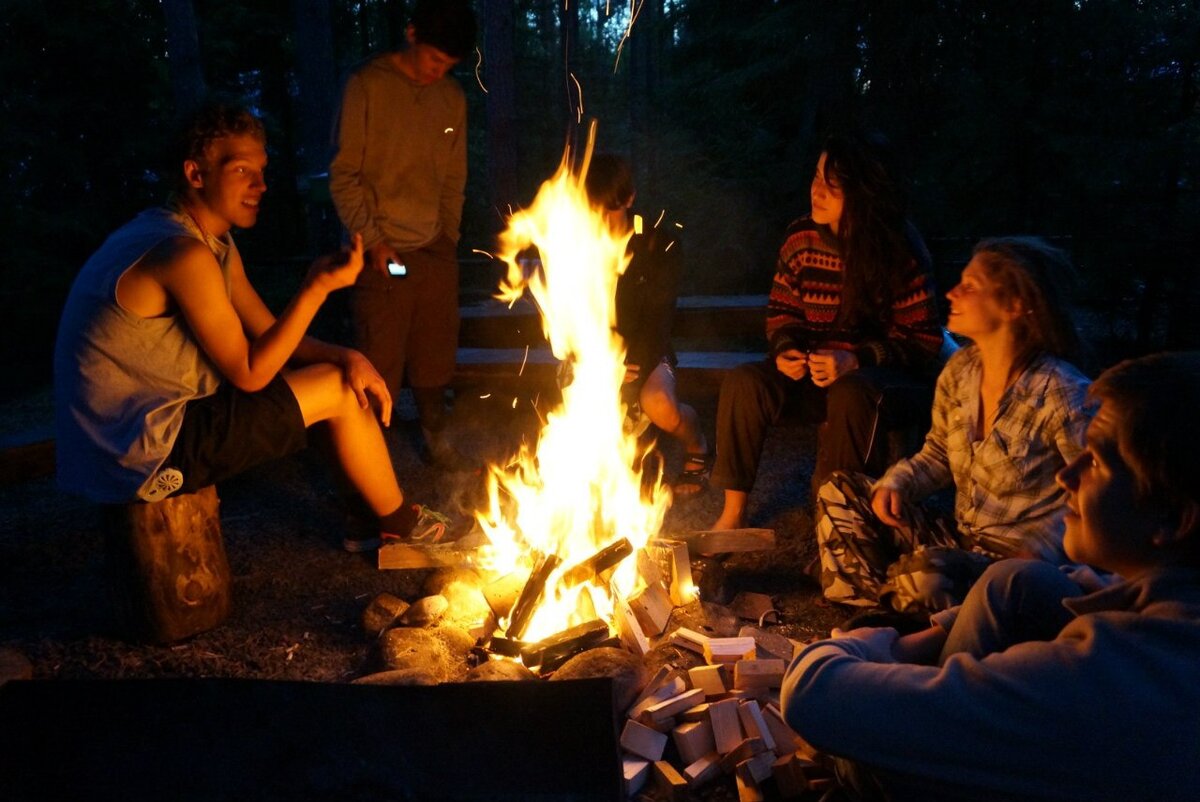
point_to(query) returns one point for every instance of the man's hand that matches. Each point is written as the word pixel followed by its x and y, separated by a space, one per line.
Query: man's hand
pixel 632 372
pixel 878 641
pixel 887 503
pixel 337 270
pixel 379 255
pixel 829 365
pixel 792 363
pixel 365 381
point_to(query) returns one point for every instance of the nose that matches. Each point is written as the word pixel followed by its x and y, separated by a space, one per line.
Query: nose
pixel 953 292
pixel 1068 476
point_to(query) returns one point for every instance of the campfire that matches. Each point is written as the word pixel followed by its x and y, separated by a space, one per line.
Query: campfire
pixel 568 550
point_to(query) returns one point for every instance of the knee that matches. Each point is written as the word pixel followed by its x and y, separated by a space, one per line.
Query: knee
pixel 1013 578
pixel 852 395
pixel 660 407
pixel 744 385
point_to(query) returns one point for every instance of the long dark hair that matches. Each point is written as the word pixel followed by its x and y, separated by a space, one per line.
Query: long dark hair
pixel 1039 276
pixel 872 232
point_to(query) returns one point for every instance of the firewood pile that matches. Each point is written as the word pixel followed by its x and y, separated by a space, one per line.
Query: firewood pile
pixel 710 711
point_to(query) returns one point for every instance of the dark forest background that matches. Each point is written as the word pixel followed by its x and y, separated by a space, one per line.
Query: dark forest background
pixel 1074 120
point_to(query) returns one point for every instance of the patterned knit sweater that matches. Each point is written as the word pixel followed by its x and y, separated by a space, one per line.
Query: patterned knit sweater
pixel 806 294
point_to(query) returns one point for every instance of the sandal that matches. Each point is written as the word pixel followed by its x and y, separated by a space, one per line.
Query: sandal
pixel 696 470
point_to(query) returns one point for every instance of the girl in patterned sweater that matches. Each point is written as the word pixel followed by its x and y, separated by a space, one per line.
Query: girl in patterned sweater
pixel 852 327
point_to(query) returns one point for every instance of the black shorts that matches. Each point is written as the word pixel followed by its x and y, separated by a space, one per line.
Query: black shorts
pixel 231 430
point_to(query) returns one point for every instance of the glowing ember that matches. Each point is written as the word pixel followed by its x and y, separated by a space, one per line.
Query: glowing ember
pixel 580 489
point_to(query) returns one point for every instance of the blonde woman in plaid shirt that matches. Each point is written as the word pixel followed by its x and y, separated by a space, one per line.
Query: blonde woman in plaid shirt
pixel 1008 413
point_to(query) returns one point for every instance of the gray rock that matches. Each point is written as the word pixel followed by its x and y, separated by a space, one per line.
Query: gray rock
pixel 721 620
pixel 382 613
pixel 770 644
pixel 457 642
pixel 426 611
pixel 499 671
pixel 399 676
pixel 406 649
pixel 438 581
pixel 627 671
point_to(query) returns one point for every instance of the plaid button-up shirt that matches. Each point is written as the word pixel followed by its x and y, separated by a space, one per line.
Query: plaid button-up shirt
pixel 1006 501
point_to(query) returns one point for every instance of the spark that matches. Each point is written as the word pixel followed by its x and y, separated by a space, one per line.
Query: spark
pixel 482 253
pixel 635 8
pixel 661 215
pixel 679 226
pixel 485 395
pixel 514 403
pixel 478 64
pixel 522 370
pixel 579 103
pixel 669 244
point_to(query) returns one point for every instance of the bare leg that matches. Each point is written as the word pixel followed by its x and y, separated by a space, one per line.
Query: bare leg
pixel 660 402
pixel 733 516
pixel 358 443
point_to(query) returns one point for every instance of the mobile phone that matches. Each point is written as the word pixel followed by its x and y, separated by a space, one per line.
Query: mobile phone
pixel 397 269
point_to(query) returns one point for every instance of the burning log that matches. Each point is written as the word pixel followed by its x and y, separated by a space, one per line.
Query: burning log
pixel 502 593
pixel 598 563
pixel 531 594
pixel 555 650
pixel 677 565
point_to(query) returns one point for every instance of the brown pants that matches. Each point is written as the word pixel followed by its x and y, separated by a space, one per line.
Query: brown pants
pixel 409 325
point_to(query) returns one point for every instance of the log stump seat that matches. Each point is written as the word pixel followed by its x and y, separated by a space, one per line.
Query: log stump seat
pixel 168 576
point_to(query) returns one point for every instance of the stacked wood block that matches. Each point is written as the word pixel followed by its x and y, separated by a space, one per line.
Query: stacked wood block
pixel 719 720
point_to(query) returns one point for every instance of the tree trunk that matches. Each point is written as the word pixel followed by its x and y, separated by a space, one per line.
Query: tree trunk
pixel 498 65
pixel 316 74
pixel 183 57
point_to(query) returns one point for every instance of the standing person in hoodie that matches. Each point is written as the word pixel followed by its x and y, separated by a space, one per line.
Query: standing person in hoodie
pixel 398 177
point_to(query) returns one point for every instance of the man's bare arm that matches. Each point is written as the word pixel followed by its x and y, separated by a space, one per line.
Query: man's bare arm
pixel 248 350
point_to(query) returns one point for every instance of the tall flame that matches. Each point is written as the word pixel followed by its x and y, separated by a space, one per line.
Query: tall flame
pixel 581 487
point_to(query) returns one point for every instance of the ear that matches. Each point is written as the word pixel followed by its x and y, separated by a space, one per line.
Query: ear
pixel 193 173
pixel 1180 526
pixel 1015 309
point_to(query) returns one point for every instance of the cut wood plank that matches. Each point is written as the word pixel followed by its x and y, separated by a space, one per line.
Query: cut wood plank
pixel 729 650
pixel 754 674
pixel 675 705
pixel 703 770
pixel 727 726
pixel 689 639
pixel 786 739
pixel 789 774
pixel 748 748
pixel 754 724
pixel 636 772
pixel 674 554
pixel 670 783
pixel 652 606
pixel 757 768
pixel 708 679
pixel 748 790
pixel 721 541
pixel 664 676
pixel 629 629
pixel 694 740
pixel 643 741
pixel 410 556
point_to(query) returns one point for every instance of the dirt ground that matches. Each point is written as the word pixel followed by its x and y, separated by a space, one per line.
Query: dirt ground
pixel 298 598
